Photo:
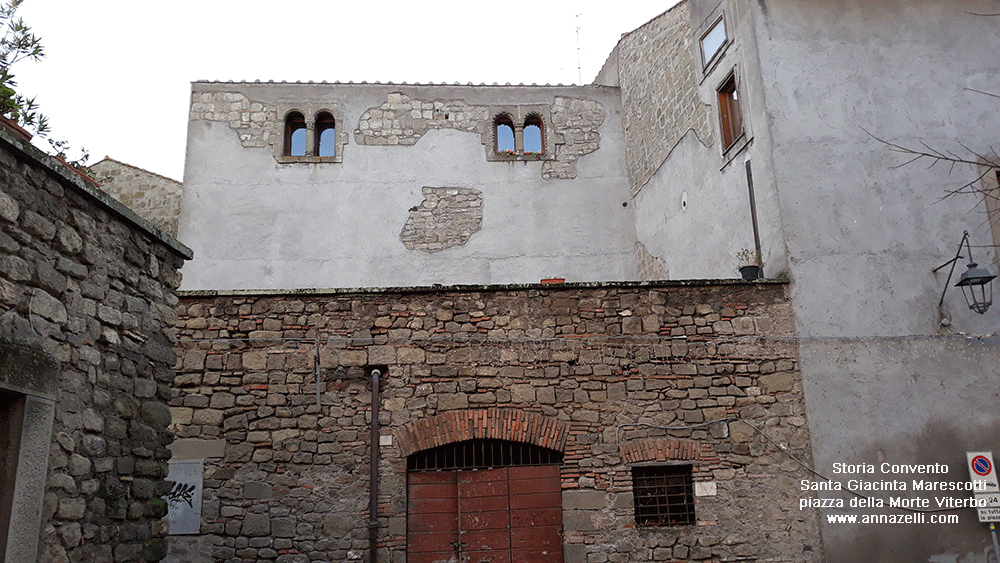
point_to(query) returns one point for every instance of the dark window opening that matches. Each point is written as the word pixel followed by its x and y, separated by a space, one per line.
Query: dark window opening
pixel 482 454
pixel 11 418
pixel 730 115
pixel 326 132
pixel 533 135
pixel 503 133
pixel 663 495
pixel 295 135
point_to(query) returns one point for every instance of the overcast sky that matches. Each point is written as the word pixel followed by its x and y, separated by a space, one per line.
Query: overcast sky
pixel 117 73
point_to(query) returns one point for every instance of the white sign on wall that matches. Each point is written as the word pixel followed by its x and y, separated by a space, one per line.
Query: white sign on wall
pixel 184 499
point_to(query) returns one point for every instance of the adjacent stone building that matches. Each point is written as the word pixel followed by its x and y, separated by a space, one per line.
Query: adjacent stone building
pixel 87 297
pixel 155 198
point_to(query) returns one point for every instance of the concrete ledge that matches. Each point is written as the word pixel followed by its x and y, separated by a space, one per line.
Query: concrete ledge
pixel 194 293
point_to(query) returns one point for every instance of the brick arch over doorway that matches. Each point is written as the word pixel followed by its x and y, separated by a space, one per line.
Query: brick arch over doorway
pixel 502 424
pixel 502 513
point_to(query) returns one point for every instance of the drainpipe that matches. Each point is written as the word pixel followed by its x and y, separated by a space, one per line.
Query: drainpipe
pixel 373 484
pixel 753 216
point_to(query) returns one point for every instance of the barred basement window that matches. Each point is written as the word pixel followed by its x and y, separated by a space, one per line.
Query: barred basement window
pixel 663 495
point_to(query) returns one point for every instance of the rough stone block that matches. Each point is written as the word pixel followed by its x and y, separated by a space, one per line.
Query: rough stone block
pixel 207 417
pixel 777 382
pixel 338 526
pixel 584 500
pixel 255 490
pixel 283 527
pixel 256 525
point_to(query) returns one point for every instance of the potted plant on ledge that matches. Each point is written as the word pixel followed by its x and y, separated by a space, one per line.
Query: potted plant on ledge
pixel 750 264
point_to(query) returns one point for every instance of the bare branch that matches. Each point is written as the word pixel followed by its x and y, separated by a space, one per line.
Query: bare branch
pixel 931 153
pixel 983 93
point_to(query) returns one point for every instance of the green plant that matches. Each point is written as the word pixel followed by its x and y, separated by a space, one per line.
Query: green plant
pixel 18 43
pixel 747 257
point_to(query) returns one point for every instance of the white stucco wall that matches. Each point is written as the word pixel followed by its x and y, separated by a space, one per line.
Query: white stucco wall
pixel 257 224
pixel 863 234
pixel 902 71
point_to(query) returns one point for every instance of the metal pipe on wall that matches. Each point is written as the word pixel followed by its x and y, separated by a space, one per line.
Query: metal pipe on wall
pixel 753 216
pixel 373 481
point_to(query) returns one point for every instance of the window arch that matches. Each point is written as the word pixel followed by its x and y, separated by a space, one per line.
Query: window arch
pixel 503 134
pixel 533 135
pixel 295 134
pixel 326 133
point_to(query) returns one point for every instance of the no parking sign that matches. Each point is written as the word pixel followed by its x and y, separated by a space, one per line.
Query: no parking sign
pixel 981 468
pixel 983 474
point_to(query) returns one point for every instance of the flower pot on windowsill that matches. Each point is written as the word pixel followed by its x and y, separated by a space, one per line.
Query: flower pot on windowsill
pixel 554 280
pixel 15 128
pixel 750 273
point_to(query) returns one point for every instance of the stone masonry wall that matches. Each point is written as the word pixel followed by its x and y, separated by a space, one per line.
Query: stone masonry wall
pixel 155 198
pixel 87 284
pixel 256 123
pixel 446 217
pixel 659 83
pixel 612 375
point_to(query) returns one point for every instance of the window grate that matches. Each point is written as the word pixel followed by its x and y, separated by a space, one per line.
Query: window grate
pixel 663 495
pixel 482 454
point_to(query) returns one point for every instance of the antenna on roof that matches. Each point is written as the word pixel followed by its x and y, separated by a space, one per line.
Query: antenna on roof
pixel 579 74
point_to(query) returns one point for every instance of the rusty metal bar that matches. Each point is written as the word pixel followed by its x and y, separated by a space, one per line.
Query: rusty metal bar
pixel 373 484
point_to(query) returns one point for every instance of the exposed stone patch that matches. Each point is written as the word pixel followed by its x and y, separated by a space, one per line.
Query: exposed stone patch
pixel 446 217
pixel 578 121
pixel 650 267
pixel 660 93
pixel 402 120
pixel 253 121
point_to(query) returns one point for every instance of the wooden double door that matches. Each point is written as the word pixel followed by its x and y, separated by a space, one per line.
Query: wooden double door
pixel 505 515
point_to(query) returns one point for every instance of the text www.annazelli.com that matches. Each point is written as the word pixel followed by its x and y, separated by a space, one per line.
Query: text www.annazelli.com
pixel 915 518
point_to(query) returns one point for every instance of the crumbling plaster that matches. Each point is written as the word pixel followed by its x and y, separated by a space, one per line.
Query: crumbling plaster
pixel 294 225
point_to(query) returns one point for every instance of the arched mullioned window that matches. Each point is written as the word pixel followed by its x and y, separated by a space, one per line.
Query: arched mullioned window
pixel 295 134
pixel 503 134
pixel 326 132
pixel 533 135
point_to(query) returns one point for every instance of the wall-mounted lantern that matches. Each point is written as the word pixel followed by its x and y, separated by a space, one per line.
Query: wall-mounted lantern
pixel 976 282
